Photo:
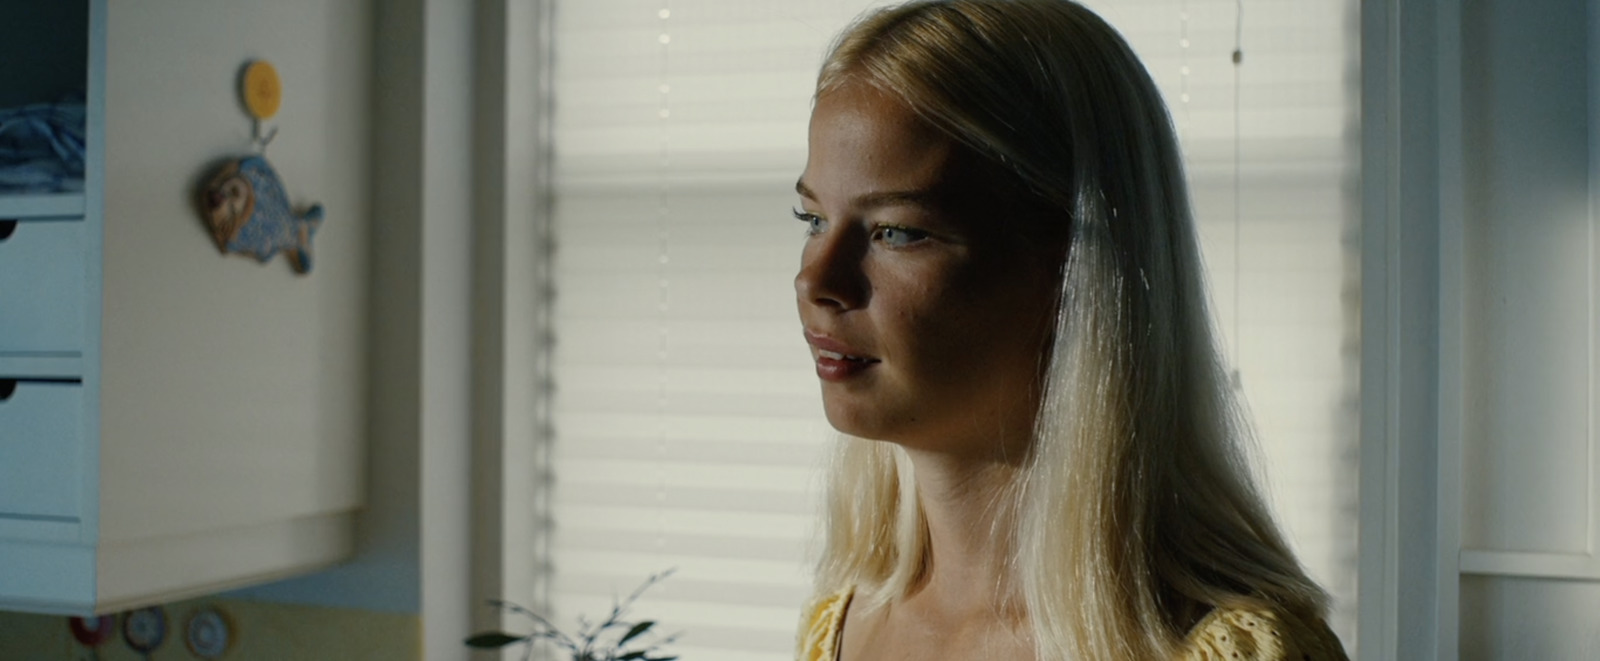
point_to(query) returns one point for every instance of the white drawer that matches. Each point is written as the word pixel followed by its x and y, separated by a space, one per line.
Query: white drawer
pixel 43 294
pixel 47 205
pixel 41 450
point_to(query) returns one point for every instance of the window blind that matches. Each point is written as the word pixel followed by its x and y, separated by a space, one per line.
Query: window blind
pixel 687 426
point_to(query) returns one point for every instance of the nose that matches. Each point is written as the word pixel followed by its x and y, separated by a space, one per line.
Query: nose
pixel 831 271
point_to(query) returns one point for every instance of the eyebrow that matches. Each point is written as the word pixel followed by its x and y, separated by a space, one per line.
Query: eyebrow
pixel 923 198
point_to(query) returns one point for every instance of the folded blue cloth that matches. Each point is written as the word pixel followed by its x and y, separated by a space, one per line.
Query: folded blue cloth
pixel 42 148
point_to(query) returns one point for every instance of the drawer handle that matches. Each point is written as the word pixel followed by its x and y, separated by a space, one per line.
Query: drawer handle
pixel 8 385
pixel 6 228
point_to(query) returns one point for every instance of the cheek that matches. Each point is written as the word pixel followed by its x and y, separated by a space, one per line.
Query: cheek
pixel 964 315
pixel 921 310
pixel 1001 322
pixel 948 324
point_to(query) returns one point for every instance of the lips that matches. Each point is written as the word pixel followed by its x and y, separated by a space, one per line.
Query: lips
pixel 837 361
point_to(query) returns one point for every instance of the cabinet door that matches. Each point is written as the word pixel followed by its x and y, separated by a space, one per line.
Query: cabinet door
pixel 42 286
pixel 41 450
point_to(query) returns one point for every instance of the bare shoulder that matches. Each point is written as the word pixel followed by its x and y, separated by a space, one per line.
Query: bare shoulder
pixel 1260 634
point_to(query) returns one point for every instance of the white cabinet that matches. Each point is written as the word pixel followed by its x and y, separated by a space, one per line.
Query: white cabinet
pixel 174 422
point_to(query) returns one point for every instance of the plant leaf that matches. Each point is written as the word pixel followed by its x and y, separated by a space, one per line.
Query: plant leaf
pixel 631 656
pixel 635 631
pixel 490 640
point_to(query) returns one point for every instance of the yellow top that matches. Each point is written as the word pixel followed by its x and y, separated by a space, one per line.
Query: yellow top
pixel 1223 635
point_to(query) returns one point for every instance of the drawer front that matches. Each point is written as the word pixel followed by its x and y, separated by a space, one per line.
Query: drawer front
pixel 41 450
pixel 43 295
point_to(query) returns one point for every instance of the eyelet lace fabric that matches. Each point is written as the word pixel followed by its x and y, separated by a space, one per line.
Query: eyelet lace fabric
pixel 1261 634
pixel 1226 634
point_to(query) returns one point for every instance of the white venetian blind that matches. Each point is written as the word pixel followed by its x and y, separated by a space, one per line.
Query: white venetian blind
pixel 688 427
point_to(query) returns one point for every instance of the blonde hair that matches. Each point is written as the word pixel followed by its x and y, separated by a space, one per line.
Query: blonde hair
pixel 1135 511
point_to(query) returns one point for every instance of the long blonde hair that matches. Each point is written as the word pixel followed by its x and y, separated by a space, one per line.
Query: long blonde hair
pixel 1135 511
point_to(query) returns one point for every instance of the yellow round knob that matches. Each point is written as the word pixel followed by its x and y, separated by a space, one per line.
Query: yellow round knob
pixel 262 90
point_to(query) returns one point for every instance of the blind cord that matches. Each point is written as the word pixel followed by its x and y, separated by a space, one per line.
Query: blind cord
pixel 1238 247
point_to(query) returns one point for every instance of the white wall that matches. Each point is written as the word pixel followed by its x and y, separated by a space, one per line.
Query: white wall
pixel 1481 523
pixel 362 368
pixel 413 537
pixel 1529 618
pixel 1527 286
pixel 184 327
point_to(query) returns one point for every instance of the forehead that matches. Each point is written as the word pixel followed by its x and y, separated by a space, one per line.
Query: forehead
pixel 863 140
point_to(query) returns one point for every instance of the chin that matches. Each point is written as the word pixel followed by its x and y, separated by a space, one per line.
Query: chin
pixel 850 423
pixel 865 425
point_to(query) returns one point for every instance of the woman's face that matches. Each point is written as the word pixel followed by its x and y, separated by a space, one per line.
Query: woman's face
pixel 926 308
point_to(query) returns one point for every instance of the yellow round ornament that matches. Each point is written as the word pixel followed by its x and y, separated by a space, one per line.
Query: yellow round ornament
pixel 262 90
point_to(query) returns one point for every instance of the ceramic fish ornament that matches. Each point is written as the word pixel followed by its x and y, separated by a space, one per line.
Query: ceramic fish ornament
pixel 248 212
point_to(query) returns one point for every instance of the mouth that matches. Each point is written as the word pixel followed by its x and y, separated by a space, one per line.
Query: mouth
pixel 837 361
pixel 834 355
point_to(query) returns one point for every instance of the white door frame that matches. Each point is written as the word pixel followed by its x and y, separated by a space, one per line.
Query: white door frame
pixel 1410 451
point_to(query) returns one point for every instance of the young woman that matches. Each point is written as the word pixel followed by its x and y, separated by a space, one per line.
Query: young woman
pixel 1001 288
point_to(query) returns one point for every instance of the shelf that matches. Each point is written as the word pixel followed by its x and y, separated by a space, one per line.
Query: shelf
pixel 41 366
pixel 40 205
pixel 74 578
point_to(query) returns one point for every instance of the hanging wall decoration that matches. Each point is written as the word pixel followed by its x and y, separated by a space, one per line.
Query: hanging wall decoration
pixel 243 202
pixel 145 629
pixel 209 633
pixel 93 631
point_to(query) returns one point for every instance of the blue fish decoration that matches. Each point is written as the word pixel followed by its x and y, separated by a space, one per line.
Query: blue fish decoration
pixel 248 212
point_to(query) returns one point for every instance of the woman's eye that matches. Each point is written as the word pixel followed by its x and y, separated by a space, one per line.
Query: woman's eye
pixel 897 237
pixel 814 223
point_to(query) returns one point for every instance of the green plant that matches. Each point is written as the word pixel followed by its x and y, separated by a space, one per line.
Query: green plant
pixel 611 639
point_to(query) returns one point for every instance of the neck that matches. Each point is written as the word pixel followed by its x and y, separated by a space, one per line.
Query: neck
pixel 971 526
